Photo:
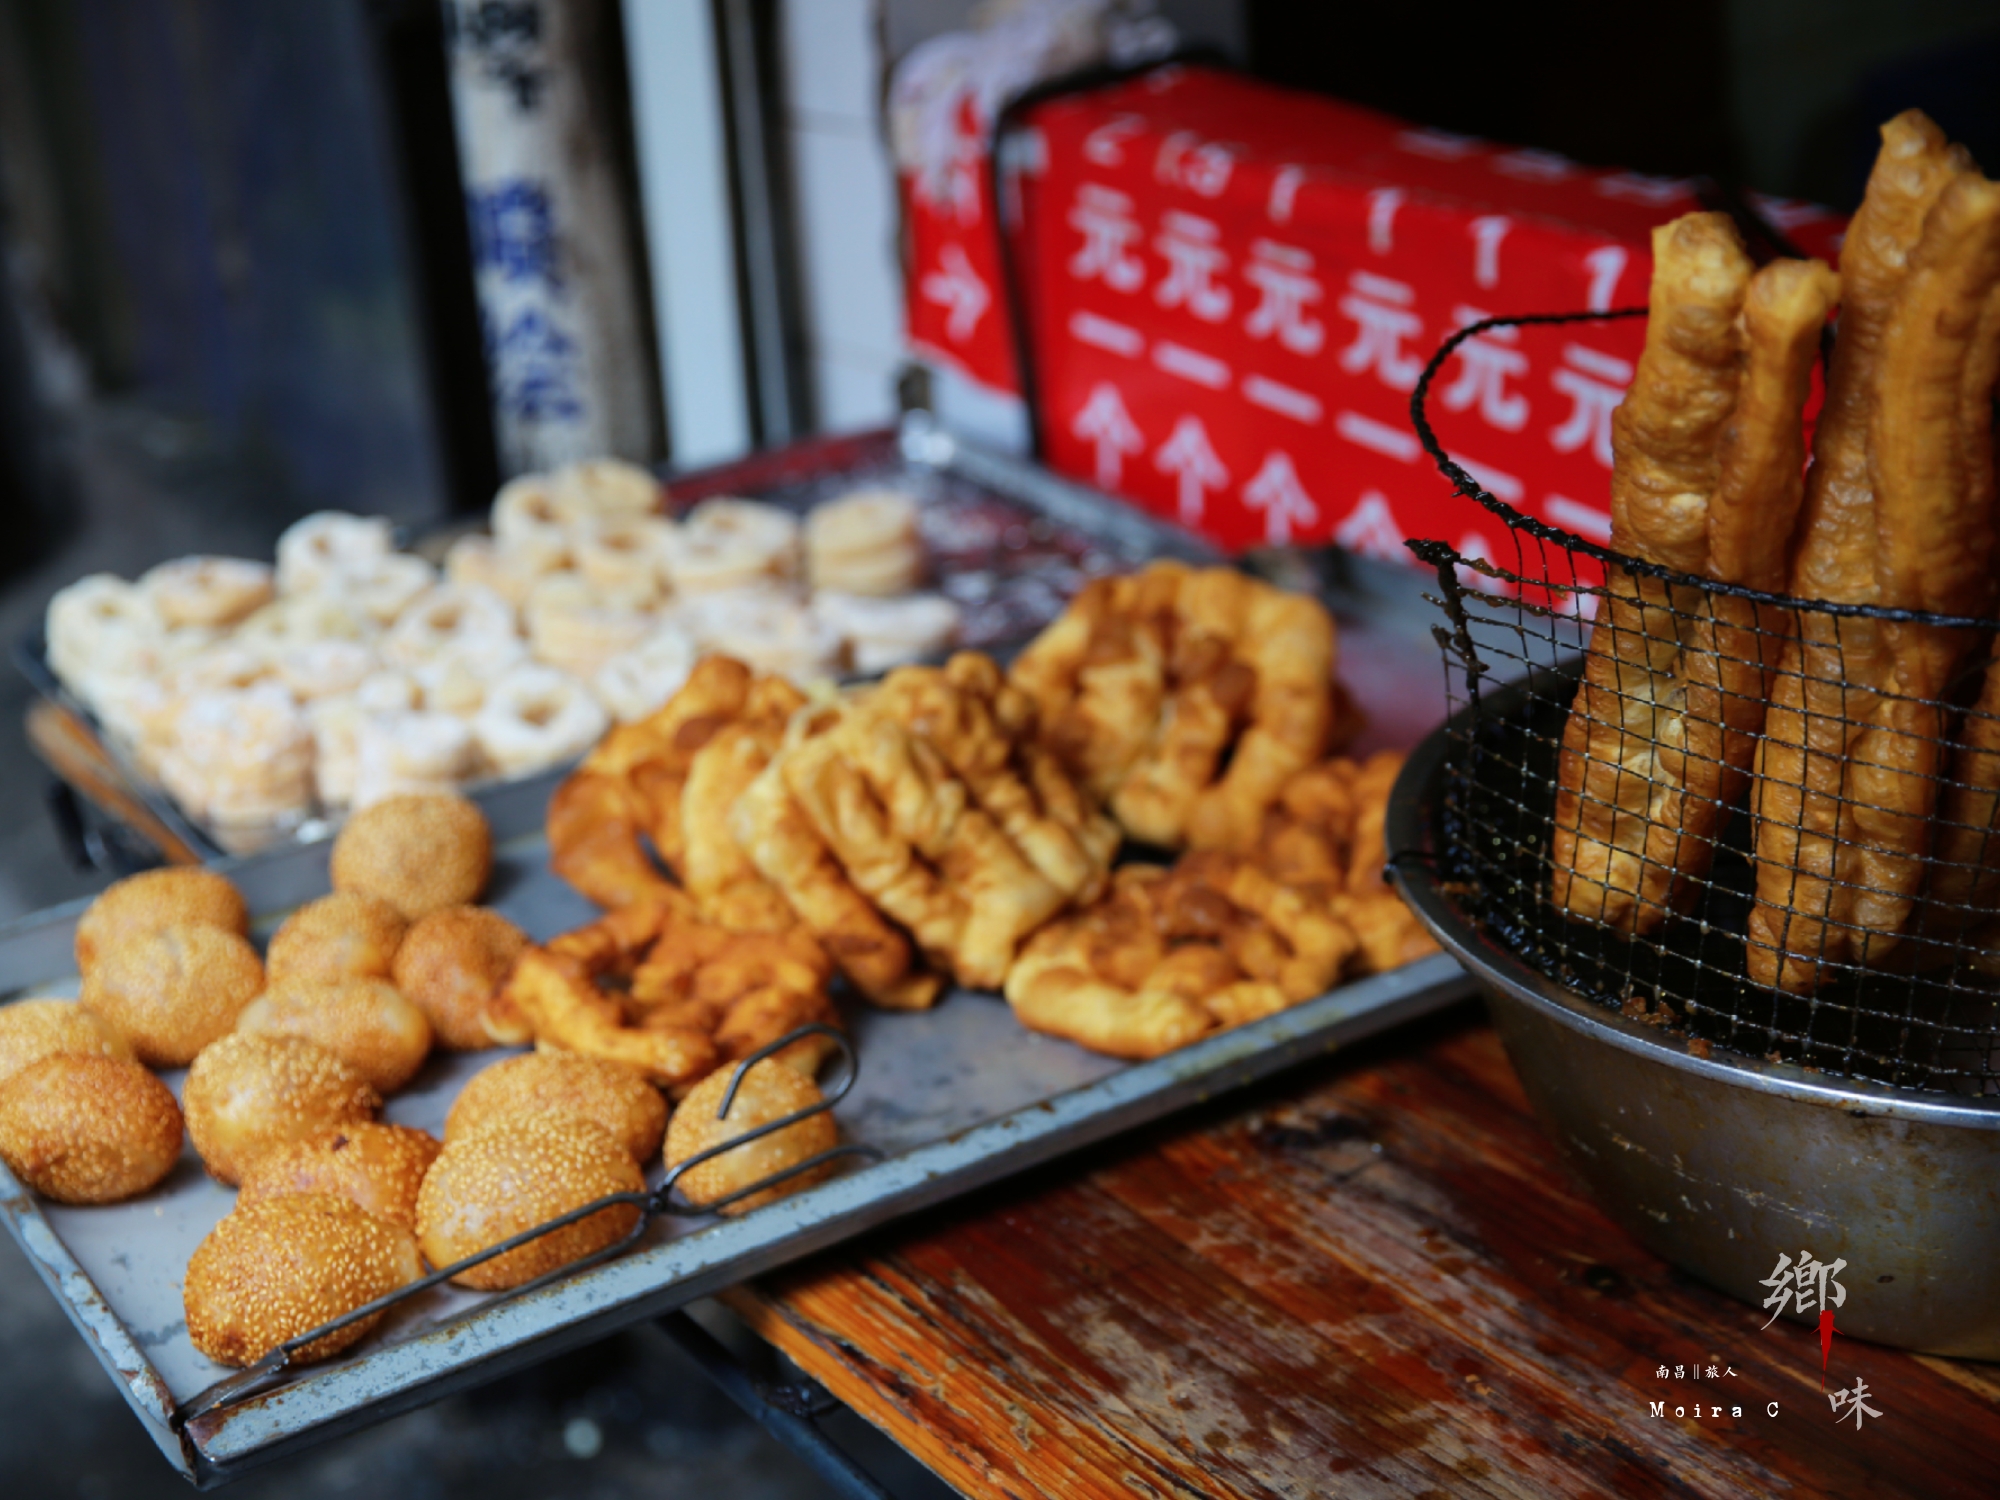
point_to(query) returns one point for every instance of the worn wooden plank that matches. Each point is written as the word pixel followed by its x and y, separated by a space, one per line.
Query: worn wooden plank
pixel 1373 1280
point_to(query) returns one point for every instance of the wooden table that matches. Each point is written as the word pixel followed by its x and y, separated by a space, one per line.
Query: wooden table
pixel 1370 1278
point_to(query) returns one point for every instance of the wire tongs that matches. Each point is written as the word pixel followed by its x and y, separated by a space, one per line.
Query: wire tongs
pixel 266 1372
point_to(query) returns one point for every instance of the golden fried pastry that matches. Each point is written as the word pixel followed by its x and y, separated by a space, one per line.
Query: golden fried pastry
pixel 563 1083
pixel 744 989
pixel 367 1023
pixel 1845 773
pixel 378 1168
pixel 769 1091
pixel 173 991
pixel 1184 698
pixel 941 819
pixel 154 900
pixel 88 1129
pixel 419 853
pixel 513 1175
pixel 555 988
pixel 1964 886
pixel 1617 848
pixel 771 827
pixel 1170 955
pixel 31 1030
pixel 349 934
pixel 597 824
pixel 629 788
pixel 276 1268
pixel 247 1093
pixel 452 964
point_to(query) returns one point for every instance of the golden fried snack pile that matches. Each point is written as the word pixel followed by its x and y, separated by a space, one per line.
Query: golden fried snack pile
pixel 1837 725
pixel 1184 698
pixel 960 823
pixel 1218 939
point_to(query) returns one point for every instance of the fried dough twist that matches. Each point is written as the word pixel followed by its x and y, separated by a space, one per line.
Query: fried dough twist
pixel 1663 725
pixel 1894 516
pixel 966 837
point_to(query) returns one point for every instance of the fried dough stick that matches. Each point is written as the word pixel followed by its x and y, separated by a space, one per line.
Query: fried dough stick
pixel 1620 803
pixel 1964 889
pixel 1845 775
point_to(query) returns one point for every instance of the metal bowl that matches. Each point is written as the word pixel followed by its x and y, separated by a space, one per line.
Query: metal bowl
pixel 1724 1163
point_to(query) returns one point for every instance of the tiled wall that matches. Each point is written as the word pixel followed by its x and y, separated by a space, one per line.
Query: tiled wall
pixel 845 208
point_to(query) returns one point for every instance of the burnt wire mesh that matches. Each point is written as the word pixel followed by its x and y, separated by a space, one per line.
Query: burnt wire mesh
pixel 1604 833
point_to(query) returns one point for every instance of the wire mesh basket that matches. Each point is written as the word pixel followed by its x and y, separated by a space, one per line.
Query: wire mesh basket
pixel 1777 846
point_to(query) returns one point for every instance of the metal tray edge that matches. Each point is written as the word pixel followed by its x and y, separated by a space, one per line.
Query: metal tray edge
pixel 424 1369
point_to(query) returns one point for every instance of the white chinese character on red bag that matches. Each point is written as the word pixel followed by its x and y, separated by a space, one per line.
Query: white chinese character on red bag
pixel 1283 275
pixel 957 286
pixel 1372 530
pixel 1485 364
pixel 1595 382
pixel 1103 216
pixel 1193 259
pixel 1188 455
pixel 1276 491
pixel 1104 423
pixel 1382 318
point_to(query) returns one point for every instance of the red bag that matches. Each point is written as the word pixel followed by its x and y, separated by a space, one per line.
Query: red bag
pixel 1231 290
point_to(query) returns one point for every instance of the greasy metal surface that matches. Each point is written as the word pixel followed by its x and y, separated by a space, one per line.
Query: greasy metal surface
pixel 1721 1162
pixel 961 1092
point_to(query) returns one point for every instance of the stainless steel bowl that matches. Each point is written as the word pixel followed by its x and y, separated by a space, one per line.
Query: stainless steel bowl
pixel 1723 1163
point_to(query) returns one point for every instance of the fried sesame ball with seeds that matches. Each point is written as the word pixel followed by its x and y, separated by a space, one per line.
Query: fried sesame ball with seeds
pixel 564 1083
pixel 156 899
pixel 247 1093
pixel 172 992
pixel 31 1030
pixel 452 963
pixel 514 1174
pixel 419 852
pixel 349 934
pixel 770 1091
pixel 82 1129
pixel 378 1168
pixel 275 1268
pixel 367 1023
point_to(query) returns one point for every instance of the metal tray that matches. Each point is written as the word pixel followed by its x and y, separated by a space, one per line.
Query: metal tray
pixel 1013 540
pixel 956 1097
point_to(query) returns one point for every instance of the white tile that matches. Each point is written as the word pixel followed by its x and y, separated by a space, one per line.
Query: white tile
pixel 829 57
pixel 854 390
pixel 847 246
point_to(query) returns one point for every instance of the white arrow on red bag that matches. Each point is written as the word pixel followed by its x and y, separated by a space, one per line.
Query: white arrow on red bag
pixel 1188 455
pixel 957 287
pixel 1107 426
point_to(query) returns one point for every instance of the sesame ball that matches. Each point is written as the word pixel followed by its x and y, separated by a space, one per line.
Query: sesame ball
pixel 156 899
pixel 564 1083
pixel 31 1030
pixel 514 1174
pixel 83 1129
pixel 347 935
pixel 279 1267
pixel 377 1168
pixel 770 1091
pixel 172 992
pixel 451 963
pixel 419 853
pixel 365 1022
pixel 247 1093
